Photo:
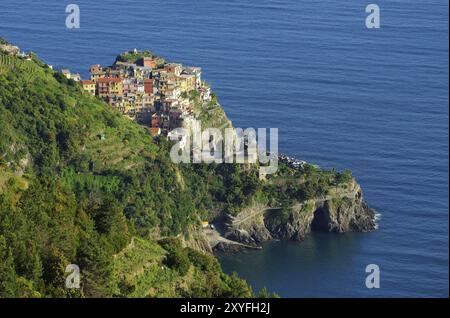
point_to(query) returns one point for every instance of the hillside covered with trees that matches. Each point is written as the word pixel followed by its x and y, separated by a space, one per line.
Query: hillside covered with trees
pixel 81 184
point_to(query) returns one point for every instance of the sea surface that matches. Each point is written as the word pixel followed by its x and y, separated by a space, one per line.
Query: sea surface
pixel 374 101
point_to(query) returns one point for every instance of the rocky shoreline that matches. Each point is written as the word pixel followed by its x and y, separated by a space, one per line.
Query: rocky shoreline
pixel 346 211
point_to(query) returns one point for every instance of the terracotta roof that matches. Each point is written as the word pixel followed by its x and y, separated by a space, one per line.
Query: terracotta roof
pixel 87 82
pixel 109 80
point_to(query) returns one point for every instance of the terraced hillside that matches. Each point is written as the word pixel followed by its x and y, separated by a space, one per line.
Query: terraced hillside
pixel 81 184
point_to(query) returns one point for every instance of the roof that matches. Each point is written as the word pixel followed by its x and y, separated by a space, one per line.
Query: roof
pixel 191 70
pixel 87 82
pixel 185 75
pixel 110 80
pixel 173 65
pixel 129 81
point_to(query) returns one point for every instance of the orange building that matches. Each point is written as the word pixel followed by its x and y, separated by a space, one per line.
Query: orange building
pixel 110 86
pixel 173 68
pixel 148 62
pixel 155 131
pixel 96 72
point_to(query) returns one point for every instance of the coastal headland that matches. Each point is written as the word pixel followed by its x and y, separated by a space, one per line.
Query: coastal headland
pixel 85 168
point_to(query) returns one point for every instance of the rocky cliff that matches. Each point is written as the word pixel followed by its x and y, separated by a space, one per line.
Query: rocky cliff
pixel 342 210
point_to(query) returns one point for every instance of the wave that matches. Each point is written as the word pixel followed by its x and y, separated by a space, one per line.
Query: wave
pixel 378 217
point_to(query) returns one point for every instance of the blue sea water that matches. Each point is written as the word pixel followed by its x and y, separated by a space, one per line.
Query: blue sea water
pixel 374 101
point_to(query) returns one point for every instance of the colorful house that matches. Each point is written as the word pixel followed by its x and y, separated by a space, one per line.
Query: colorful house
pixel 66 73
pixel 76 77
pixel 155 121
pixel 174 68
pixel 148 62
pixel 148 86
pixel 89 86
pixel 155 131
pixel 197 72
pixel 129 86
pixel 109 87
pixel 96 72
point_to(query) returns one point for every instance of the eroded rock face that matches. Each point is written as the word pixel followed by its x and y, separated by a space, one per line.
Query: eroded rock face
pixel 248 227
pixel 196 240
pixel 228 248
pixel 299 224
pixel 343 215
pixel 344 211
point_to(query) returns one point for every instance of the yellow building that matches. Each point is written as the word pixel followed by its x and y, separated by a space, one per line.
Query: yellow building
pixel 89 86
pixel 115 87
pixel 110 87
pixel 187 83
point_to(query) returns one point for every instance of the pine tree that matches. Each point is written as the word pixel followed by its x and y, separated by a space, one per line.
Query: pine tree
pixel 8 286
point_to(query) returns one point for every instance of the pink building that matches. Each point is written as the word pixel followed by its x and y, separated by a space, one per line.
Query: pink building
pixel 156 121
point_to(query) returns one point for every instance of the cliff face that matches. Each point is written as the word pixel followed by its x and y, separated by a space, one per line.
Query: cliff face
pixel 248 226
pixel 196 240
pixel 342 211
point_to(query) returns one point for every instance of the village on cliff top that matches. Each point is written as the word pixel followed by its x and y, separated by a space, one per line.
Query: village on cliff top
pixel 144 87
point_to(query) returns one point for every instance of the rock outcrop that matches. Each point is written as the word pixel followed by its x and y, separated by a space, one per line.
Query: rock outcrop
pixel 342 210
pixel 248 226
pixel 196 240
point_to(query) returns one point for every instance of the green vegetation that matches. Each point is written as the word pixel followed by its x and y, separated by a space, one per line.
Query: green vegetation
pixel 166 269
pixel 81 184
pixel 210 114
pixel 134 57
pixel 69 196
pixel 279 216
pixel 300 186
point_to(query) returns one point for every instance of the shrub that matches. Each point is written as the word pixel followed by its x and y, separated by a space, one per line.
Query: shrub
pixel 202 261
pixel 177 256
pixel 178 260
